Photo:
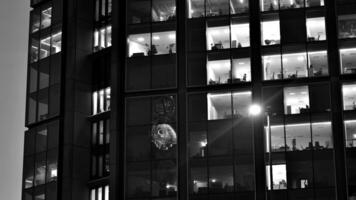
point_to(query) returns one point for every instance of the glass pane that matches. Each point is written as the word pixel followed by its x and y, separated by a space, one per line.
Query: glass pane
pixel 316 29
pixel 139 44
pixel 318 63
pixel 239 6
pixel 163 43
pixel 196 8
pixel 218 37
pixel 199 177
pixel 296 100
pixel 287 4
pixel 322 135
pixel 46 16
pixel 348 61
pixel 139 11
pixel 41 139
pixel 240 34
pixel 314 3
pixel 28 175
pixel 95 102
pixel 197 140
pixel 138 180
pixel 272 67
pixel 269 5
pixel 31 108
pixel 56 41
pixel 270 32
pixel 35 21
pixel 40 169
pixel 52 169
pixel 163 10
pixel 218 72
pixel 295 65
pixel 33 79
pixel 346 26
pixel 164 178
pixel 349 96
pixel 217 7
pixel 44 76
pixel 42 105
pixel 241 103
pixel 241 70
pixel 350 133
pixel 34 50
pixel 221 177
pixel 45 47
pixel 108 36
pixel 298 137
pixel 219 106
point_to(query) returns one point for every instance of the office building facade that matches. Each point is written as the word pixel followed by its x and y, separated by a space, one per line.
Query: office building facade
pixel 150 99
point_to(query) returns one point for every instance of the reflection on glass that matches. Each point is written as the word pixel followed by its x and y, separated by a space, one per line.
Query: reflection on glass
pixel 275 138
pixel 314 3
pixel 218 72
pixel 56 41
pixel 46 16
pixel 163 10
pixel 296 100
pixel 196 8
pixel 350 133
pixel 287 4
pixel 269 5
pixel 40 169
pixel 348 61
pixel 218 37
pixel 101 100
pixel 316 29
pixel 35 22
pixel 270 32
pixel 318 63
pixel 34 50
pixel 347 26
pixel 349 96
pixel 240 35
pixel 239 6
pixel 241 102
pixel 278 178
pixel 272 67
pixel 294 65
pixel 241 70
pixel 217 7
pixel 45 46
pixel 199 180
pixel 102 38
pixel 221 178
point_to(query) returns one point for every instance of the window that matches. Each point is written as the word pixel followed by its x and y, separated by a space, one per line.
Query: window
pixel 100 193
pixel 350 133
pixel 295 65
pixel 41 18
pixel 316 29
pixel 228 105
pixel 348 60
pixel 346 26
pixel 162 43
pixel 102 38
pixel 46 17
pixel 272 5
pixel 103 9
pixel 349 96
pixel 218 37
pixel 270 32
pixel 240 33
pixel 276 176
pixel 48 45
pixel 201 8
pixel 151 11
pixel 35 21
pixel 101 101
pixel 151 168
pixel 296 100
pixel 100 148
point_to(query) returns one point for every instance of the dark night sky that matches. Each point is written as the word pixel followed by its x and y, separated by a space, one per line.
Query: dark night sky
pixel 14 20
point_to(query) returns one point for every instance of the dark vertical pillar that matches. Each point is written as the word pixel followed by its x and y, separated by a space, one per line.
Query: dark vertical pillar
pixel 336 99
pixel 76 99
pixel 181 77
pixel 117 131
pixel 256 71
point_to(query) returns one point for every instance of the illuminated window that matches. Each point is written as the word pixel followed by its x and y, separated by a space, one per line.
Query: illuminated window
pixel 296 100
pixel 101 101
pixel 346 26
pixel 316 29
pixel 162 43
pixel 228 105
pixel 294 65
pixel 348 60
pixel 350 133
pixel 270 32
pixel 218 37
pixel 272 67
pixel 100 193
pixel 276 177
pixel 349 96
pixel 102 38
pixel 46 18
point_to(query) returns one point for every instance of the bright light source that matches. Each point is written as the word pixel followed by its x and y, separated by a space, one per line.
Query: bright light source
pixel 172 36
pixel 156 37
pixel 140 39
pixel 255 110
